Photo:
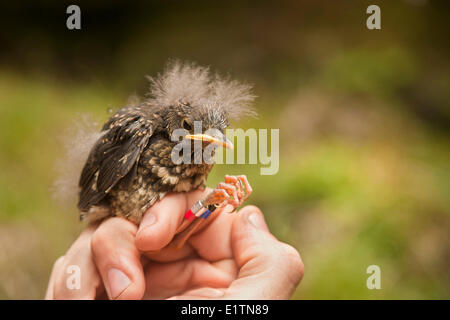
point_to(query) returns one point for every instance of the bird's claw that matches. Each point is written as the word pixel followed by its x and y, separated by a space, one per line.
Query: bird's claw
pixel 234 191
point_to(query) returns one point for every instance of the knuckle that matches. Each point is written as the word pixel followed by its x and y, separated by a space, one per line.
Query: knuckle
pixel 107 233
pixel 59 285
pixel 58 292
pixel 251 208
pixel 293 262
pixel 58 262
pixel 99 239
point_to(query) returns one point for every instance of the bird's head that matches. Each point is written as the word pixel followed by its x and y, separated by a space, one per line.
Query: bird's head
pixel 198 103
pixel 199 122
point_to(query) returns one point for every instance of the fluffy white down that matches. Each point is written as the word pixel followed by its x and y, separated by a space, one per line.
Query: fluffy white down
pixel 198 86
pixel 78 141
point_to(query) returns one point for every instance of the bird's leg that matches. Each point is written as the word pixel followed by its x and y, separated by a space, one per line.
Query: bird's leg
pixel 244 190
pixel 234 191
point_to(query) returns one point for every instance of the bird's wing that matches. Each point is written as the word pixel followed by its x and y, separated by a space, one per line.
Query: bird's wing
pixel 114 155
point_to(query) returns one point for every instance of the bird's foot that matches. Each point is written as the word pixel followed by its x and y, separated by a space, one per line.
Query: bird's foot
pixel 234 191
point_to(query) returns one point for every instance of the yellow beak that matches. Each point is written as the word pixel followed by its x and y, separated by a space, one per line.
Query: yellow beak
pixel 219 140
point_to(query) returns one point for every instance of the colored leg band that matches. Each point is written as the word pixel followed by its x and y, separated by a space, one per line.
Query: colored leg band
pixel 205 214
pixel 208 211
pixel 194 211
pixel 189 215
pixel 197 207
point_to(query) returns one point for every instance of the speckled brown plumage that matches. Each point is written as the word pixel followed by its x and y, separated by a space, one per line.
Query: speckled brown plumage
pixel 156 175
pixel 130 167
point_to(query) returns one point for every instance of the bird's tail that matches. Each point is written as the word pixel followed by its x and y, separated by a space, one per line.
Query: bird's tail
pixel 94 214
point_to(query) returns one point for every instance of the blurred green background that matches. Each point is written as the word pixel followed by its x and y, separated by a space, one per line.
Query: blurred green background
pixel 363 115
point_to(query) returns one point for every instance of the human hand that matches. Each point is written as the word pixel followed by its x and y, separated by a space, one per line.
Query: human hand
pixel 233 256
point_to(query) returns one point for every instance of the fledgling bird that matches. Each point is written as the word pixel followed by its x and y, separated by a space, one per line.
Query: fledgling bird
pixel 130 167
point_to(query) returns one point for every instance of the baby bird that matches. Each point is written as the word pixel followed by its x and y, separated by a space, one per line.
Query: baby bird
pixel 130 167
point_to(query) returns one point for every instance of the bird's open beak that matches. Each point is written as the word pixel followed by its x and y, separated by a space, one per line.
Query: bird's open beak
pixel 218 139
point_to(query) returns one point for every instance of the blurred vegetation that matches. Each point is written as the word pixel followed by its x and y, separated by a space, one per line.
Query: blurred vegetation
pixel 363 115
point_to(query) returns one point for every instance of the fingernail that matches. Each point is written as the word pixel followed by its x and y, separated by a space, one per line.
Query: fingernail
pixel 118 282
pixel 214 293
pixel 149 219
pixel 257 221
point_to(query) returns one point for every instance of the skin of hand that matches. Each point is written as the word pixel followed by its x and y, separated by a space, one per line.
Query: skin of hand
pixel 233 256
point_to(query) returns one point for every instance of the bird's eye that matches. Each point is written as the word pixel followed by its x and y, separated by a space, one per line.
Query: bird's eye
pixel 186 125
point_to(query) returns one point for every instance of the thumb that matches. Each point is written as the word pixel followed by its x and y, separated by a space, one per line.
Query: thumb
pixel 117 259
pixel 268 268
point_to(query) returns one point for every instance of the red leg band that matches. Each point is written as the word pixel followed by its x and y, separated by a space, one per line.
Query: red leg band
pixel 189 215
